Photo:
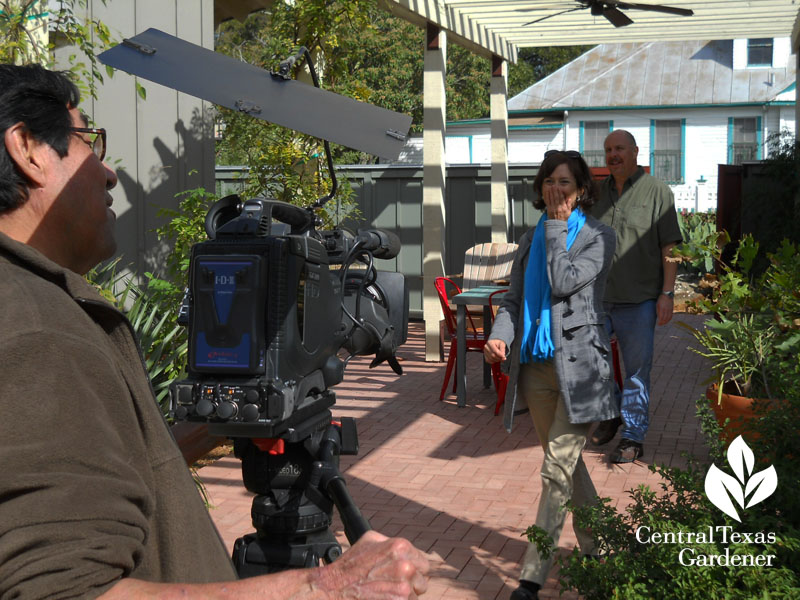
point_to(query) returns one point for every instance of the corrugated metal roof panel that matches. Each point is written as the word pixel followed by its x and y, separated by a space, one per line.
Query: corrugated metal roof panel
pixel 704 83
pixel 653 75
pixel 687 76
pixel 722 82
pixel 740 86
pixel 670 75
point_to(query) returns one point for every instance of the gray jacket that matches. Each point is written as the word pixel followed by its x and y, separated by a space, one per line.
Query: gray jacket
pixel 582 352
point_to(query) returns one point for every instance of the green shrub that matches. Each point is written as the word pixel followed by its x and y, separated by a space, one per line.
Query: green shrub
pixel 631 569
pixel 162 340
pixel 696 229
pixel 756 333
pixel 754 339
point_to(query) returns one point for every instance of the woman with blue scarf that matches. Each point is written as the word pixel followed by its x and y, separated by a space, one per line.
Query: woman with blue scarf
pixel 550 331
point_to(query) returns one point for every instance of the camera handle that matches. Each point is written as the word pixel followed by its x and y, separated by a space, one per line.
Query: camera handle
pixel 231 215
pixel 327 476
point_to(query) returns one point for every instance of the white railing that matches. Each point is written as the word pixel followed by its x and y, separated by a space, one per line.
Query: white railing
pixel 694 197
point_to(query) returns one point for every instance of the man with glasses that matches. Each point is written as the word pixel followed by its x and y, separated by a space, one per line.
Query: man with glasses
pixel 95 497
pixel 641 283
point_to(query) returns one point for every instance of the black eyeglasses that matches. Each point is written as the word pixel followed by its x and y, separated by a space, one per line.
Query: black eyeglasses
pixel 567 153
pixel 96 141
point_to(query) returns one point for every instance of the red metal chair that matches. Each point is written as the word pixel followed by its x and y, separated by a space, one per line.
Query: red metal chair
pixel 500 379
pixel 474 335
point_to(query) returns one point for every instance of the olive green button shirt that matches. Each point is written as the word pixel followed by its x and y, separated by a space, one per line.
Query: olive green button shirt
pixel 645 221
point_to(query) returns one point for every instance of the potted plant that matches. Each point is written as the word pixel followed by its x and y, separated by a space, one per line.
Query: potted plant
pixel 753 339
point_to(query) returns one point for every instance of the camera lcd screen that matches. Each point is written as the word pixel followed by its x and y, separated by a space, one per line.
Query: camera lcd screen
pixel 228 314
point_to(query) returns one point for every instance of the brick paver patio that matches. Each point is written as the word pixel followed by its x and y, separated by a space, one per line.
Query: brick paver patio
pixel 453 481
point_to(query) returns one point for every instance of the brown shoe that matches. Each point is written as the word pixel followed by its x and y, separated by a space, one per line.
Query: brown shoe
pixel 605 431
pixel 627 451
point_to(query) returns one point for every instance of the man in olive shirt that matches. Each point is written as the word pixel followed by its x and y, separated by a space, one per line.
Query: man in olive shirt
pixel 641 283
pixel 95 498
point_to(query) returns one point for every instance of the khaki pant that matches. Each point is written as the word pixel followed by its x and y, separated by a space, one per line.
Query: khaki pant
pixel 564 474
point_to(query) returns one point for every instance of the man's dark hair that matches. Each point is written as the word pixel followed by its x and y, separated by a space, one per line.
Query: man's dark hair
pixel 40 99
pixel 580 171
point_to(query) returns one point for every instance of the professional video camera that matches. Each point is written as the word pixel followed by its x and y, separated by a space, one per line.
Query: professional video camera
pixel 273 303
pixel 267 316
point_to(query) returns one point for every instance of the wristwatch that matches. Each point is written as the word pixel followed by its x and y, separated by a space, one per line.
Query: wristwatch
pixel 670 293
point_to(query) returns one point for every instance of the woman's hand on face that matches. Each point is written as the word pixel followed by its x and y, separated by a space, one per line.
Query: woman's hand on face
pixel 559 206
pixel 494 351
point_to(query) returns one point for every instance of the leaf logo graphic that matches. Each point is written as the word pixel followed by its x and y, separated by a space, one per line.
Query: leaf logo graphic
pixel 721 487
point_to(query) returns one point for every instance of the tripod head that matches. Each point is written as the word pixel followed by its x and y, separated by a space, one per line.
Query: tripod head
pixel 298 483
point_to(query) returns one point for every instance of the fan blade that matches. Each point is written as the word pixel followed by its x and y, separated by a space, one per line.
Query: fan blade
pixel 671 10
pixel 544 7
pixel 563 12
pixel 616 17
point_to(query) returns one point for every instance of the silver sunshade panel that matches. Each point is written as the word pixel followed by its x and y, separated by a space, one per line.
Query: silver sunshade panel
pixel 197 71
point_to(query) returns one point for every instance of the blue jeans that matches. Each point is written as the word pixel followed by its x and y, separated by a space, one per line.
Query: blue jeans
pixel 634 325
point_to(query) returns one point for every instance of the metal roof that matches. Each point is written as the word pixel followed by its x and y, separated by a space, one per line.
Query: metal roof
pixel 655 74
pixel 499 26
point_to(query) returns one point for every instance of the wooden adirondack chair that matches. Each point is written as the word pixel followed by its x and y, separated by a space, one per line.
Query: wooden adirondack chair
pixel 483 264
pixel 486 263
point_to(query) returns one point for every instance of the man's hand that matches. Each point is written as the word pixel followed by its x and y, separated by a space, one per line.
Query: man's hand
pixel 375 567
pixel 494 351
pixel 664 308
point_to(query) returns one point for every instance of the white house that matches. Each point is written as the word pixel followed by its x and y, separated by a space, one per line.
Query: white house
pixel 690 105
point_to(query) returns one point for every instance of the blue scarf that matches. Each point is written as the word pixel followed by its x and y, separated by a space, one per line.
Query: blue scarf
pixel 537 344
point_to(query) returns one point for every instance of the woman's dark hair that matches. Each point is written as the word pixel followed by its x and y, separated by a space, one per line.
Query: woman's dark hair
pixel 579 169
pixel 41 99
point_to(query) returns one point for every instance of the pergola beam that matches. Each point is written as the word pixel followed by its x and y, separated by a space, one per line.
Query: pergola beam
pixel 495 25
pixel 460 27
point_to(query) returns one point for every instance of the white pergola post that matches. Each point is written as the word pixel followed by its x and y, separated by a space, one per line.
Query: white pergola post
pixel 796 50
pixel 498 106
pixel 433 183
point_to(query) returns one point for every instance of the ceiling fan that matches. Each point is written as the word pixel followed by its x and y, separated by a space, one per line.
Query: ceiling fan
pixel 610 9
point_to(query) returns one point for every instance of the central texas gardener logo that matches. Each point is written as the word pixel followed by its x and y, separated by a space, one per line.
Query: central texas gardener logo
pixel 747 488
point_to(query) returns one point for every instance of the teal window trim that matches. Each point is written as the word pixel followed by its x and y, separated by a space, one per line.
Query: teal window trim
pixel 580 136
pixel 770 45
pixel 683 151
pixel 535 127
pixel 759 139
pixel 573 109
pixel 682 175
pixel 469 143
pixel 730 140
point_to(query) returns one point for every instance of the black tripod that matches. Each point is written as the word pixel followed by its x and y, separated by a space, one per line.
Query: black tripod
pixel 298 483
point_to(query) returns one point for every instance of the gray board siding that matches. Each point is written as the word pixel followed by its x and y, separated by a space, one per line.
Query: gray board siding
pixel 159 146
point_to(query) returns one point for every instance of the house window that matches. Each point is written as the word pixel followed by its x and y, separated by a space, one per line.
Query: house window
pixel 744 143
pixel 759 52
pixel 594 134
pixel 667 159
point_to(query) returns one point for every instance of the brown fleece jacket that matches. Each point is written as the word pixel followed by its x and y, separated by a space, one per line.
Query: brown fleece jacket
pixel 93 487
